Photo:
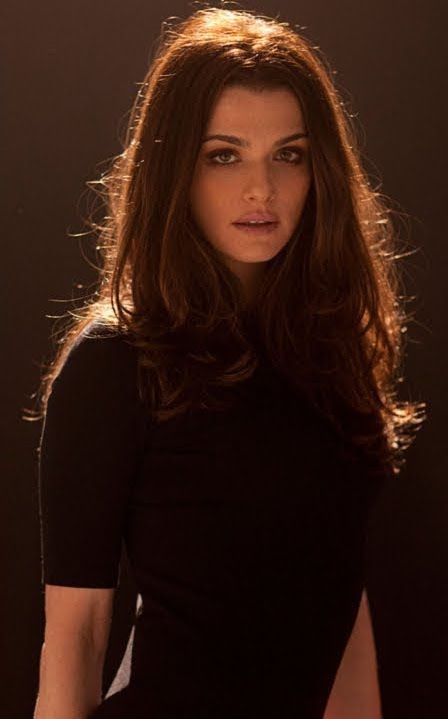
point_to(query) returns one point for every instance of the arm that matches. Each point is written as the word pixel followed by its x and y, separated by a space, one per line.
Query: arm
pixel 91 442
pixel 72 657
pixel 355 691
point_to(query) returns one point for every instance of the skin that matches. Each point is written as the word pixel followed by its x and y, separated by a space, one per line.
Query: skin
pixel 259 177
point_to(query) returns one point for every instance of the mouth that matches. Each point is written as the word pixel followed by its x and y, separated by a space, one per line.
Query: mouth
pixel 257 228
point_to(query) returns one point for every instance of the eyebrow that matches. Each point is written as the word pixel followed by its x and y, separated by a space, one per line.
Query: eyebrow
pixel 244 143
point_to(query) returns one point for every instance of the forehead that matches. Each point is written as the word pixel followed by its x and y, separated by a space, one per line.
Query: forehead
pixel 242 109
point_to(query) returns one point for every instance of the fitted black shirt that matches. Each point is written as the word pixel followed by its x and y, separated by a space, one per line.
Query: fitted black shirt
pixel 245 532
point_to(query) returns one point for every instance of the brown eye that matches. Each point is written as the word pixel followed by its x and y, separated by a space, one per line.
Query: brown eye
pixel 297 153
pixel 217 153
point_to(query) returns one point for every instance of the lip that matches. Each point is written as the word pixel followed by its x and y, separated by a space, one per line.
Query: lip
pixel 256 229
pixel 261 216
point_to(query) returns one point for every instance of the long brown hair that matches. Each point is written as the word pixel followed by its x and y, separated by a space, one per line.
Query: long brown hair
pixel 329 314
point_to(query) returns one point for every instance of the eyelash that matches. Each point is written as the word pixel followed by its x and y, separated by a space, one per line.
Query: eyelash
pixel 215 153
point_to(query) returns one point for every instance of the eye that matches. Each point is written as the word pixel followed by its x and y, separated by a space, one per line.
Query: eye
pixel 297 151
pixel 219 153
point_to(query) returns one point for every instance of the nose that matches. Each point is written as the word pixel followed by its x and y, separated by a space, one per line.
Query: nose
pixel 259 184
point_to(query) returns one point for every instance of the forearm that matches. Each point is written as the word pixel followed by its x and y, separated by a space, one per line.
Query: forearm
pixel 70 681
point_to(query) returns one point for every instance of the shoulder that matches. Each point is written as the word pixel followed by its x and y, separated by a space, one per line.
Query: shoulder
pixel 99 349
pixel 95 394
pixel 99 366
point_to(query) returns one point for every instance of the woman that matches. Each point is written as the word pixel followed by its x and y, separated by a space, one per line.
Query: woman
pixel 225 404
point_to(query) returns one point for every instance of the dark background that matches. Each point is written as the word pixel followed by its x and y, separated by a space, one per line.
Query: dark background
pixel 70 74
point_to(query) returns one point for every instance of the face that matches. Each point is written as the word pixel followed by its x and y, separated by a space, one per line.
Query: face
pixel 257 170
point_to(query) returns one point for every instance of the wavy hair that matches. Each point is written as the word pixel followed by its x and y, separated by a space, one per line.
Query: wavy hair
pixel 329 314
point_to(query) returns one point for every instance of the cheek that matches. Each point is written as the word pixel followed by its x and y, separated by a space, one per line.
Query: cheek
pixel 198 196
pixel 295 193
pixel 208 204
pixel 212 191
pixel 202 187
pixel 209 195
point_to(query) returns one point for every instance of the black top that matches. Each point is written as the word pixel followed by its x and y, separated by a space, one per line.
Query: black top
pixel 245 532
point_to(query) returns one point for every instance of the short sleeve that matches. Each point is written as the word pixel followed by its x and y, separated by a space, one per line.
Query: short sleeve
pixel 89 452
